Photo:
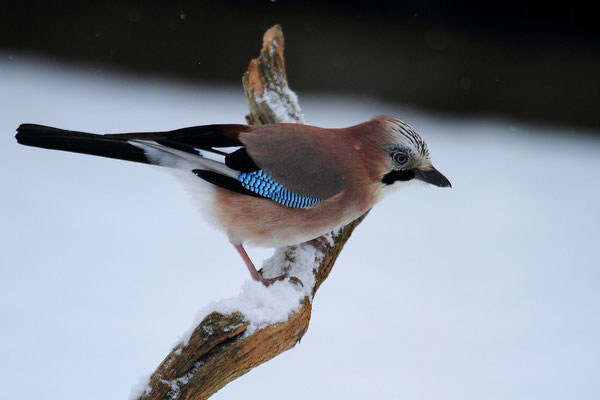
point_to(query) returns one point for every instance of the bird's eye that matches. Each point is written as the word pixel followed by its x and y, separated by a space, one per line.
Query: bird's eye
pixel 400 158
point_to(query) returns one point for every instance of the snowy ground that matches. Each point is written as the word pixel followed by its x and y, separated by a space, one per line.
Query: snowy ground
pixel 489 290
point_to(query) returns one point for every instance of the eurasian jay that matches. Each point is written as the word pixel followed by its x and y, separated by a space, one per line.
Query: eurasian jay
pixel 270 185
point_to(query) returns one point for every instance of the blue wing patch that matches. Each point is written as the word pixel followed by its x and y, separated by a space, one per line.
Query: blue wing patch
pixel 261 183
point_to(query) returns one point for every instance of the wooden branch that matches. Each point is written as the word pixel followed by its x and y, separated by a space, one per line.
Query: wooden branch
pixel 225 347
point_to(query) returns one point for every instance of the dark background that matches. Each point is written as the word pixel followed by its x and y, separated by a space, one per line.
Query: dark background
pixel 517 59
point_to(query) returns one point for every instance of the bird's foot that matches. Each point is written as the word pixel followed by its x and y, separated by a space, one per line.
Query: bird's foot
pixel 257 276
pixel 270 281
pixel 296 281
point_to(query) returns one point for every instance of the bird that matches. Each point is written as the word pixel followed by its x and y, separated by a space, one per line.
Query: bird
pixel 270 185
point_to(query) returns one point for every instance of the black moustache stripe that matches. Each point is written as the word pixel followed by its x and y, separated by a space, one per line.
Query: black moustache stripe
pixel 398 175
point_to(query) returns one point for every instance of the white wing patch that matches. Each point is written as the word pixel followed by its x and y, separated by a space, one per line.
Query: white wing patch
pixel 173 158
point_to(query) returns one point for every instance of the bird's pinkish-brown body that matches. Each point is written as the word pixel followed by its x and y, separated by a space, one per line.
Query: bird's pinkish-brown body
pixel 273 185
pixel 266 223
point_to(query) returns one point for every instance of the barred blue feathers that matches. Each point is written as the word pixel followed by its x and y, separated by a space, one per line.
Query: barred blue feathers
pixel 261 183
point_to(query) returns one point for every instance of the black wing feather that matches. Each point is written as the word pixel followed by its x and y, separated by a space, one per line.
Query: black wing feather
pixel 241 161
pixel 225 182
pixel 196 136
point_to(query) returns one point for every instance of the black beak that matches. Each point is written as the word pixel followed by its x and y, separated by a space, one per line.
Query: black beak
pixel 432 176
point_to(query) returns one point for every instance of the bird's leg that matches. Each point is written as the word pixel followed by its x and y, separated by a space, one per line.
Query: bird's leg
pixel 253 272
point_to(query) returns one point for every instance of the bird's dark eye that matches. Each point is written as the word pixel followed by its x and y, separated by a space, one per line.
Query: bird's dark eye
pixel 400 158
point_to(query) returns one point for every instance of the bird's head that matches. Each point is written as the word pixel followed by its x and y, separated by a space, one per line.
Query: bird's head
pixel 408 157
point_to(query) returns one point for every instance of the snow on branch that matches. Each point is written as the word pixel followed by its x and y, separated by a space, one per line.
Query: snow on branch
pixel 234 335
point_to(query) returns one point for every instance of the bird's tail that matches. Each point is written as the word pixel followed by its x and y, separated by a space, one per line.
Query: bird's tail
pixel 79 142
pixel 181 148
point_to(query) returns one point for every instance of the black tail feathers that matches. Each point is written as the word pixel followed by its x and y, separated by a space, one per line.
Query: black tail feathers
pixel 119 145
pixel 79 142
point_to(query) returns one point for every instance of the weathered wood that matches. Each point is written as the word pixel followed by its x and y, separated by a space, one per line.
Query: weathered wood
pixel 265 83
pixel 220 348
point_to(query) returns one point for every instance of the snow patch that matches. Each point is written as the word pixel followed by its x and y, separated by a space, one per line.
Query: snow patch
pixel 141 388
pixel 330 237
pixel 262 305
pixel 282 101
pixel 177 383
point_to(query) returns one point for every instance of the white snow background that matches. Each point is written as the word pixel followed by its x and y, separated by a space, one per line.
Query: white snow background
pixel 489 290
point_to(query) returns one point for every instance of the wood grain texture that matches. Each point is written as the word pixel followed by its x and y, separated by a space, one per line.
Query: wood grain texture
pixel 220 348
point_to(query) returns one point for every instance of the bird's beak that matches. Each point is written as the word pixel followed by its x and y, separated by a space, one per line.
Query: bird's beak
pixel 432 176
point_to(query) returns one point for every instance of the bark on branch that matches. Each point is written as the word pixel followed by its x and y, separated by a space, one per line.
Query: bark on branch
pixel 223 347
